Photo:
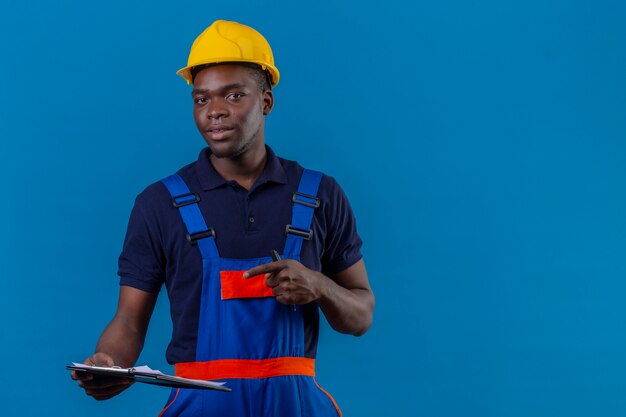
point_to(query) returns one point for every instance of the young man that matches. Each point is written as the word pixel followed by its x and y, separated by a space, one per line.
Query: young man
pixel 208 232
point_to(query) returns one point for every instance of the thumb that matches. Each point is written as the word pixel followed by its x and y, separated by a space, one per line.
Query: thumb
pixel 101 359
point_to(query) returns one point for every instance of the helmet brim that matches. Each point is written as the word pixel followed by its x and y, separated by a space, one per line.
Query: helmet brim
pixel 185 72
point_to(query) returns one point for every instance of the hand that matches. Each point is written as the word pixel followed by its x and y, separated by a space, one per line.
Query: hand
pixel 290 281
pixel 100 387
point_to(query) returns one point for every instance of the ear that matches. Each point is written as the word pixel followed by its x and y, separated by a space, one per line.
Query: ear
pixel 268 102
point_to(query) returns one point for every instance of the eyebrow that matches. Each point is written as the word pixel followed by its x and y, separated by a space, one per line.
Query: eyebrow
pixel 223 88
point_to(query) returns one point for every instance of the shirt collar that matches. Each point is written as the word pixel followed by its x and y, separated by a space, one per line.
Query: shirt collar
pixel 210 178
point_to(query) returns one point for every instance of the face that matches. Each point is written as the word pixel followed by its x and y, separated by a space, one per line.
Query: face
pixel 229 109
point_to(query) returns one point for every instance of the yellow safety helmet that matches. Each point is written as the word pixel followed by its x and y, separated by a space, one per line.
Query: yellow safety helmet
pixel 226 41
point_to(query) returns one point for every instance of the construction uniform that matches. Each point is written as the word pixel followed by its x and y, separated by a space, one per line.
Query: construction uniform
pixel 198 233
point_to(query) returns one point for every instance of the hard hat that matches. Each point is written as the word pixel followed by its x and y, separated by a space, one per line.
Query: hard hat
pixel 226 41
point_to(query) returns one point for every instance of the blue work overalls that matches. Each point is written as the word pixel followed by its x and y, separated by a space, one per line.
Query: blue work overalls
pixel 245 337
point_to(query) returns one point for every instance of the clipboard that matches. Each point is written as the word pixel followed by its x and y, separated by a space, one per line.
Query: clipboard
pixel 146 375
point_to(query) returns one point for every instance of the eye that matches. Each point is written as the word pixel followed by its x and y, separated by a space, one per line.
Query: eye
pixel 234 96
pixel 199 100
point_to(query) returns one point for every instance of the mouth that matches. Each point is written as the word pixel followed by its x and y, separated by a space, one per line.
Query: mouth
pixel 218 132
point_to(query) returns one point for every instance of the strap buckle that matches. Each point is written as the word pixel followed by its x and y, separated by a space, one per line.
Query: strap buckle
pixel 177 203
pixel 316 200
pixel 307 235
pixel 200 235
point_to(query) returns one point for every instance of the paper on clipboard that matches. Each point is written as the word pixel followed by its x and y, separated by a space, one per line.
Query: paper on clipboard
pixel 147 375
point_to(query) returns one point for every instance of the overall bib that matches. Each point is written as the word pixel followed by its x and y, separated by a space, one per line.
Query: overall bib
pixel 245 337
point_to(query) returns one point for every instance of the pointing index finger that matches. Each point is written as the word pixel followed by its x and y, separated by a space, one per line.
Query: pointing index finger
pixel 264 269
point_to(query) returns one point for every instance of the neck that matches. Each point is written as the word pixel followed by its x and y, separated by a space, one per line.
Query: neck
pixel 244 169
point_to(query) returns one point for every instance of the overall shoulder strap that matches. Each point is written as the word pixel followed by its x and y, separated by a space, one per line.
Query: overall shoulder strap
pixel 305 201
pixel 187 204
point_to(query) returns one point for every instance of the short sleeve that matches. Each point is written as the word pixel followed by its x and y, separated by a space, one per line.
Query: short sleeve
pixel 342 245
pixel 142 261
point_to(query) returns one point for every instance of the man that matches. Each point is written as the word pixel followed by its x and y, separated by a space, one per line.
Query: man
pixel 208 233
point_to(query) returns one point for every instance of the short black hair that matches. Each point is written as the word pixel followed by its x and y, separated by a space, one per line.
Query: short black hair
pixel 261 77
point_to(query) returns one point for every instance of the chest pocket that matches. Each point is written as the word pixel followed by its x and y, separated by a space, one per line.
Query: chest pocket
pixel 234 285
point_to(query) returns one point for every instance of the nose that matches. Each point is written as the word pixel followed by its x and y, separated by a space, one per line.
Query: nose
pixel 217 109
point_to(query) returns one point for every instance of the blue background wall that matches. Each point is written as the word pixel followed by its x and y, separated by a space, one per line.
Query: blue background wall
pixel 481 144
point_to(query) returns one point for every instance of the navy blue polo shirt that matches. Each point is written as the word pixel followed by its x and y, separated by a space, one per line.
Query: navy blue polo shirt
pixel 248 224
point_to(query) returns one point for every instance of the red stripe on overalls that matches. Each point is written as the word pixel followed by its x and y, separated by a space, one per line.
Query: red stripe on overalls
pixel 246 368
pixel 329 396
pixel 170 404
